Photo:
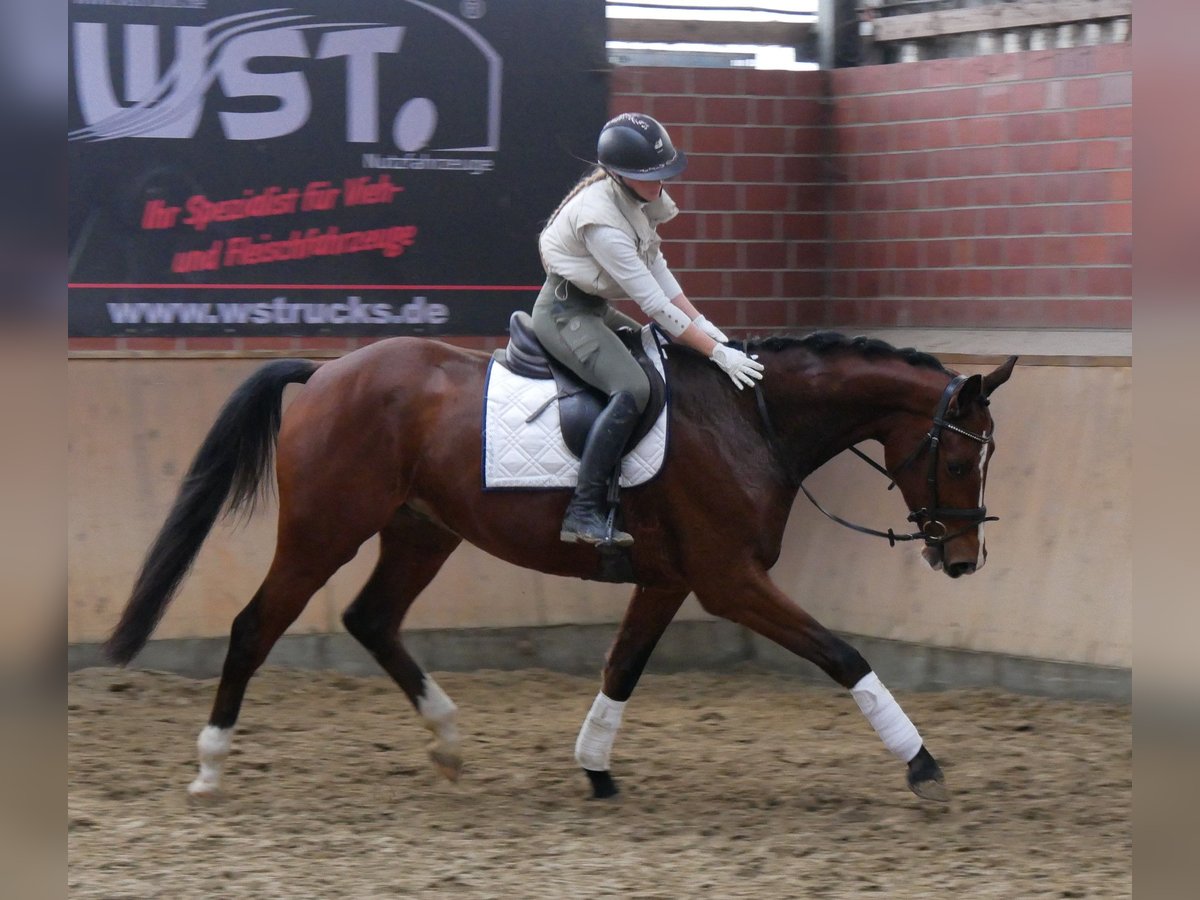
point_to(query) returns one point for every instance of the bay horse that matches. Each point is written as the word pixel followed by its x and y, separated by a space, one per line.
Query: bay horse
pixel 386 440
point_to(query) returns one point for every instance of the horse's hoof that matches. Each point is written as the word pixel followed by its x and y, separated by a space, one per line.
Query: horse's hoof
pixel 930 790
pixel 203 789
pixel 603 785
pixel 448 763
pixel 925 778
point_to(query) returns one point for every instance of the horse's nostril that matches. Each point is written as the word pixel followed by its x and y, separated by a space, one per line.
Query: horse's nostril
pixel 954 570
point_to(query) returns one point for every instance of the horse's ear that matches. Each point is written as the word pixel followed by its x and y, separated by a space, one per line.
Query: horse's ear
pixel 968 392
pixel 998 376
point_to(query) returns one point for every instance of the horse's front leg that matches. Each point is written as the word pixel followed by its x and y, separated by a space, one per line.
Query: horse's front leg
pixel 649 612
pixel 756 602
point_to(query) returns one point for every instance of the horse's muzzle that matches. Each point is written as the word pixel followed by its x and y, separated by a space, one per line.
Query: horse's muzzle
pixel 935 555
pixel 958 569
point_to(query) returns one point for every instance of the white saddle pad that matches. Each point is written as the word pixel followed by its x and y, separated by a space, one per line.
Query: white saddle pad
pixel 523 454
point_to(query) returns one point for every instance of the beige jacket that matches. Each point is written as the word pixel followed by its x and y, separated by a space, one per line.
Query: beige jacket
pixel 603 203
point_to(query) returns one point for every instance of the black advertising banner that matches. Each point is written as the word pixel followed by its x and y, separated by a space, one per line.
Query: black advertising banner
pixel 321 167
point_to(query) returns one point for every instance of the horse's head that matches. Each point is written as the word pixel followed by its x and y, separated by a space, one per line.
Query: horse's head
pixel 941 468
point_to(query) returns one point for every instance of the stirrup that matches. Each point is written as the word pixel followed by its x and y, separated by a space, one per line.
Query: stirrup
pixel 615 539
pixel 611 536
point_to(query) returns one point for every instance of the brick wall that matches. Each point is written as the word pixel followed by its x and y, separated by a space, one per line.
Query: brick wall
pixel 987 191
pixel 749 244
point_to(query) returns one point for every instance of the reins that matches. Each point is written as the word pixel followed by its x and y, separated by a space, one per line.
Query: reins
pixel 932 530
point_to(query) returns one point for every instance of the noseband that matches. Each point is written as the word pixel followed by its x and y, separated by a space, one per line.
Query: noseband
pixel 928 518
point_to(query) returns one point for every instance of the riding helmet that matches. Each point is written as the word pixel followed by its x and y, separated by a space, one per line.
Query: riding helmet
pixel 638 147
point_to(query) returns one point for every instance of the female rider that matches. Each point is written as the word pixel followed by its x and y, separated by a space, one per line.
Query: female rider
pixel 601 244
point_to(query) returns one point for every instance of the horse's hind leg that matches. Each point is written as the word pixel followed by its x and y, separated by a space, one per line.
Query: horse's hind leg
pixel 297 572
pixel 758 604
pixel 649 612
pixel 411 552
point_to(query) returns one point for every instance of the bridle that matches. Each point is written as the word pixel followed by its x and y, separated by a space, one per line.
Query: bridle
pixel 928 518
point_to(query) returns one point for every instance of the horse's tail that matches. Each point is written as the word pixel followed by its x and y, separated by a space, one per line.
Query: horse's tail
pixel 229 466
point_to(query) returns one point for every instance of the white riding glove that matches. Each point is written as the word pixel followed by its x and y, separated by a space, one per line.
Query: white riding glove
pixel 743 370
pixel 710 329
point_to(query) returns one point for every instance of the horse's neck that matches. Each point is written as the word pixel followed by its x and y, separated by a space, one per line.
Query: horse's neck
pixel 814 413
pixel 850 402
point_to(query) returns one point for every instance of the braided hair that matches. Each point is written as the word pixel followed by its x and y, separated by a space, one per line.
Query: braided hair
pixel 597 174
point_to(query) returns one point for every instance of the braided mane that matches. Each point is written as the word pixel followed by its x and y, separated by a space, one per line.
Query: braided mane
pixel 822 343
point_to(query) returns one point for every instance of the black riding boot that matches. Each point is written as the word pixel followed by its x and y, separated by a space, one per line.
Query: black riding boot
pixel 586 519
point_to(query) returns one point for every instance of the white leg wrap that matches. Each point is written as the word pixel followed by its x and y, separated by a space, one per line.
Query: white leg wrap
pixel 894 728
pixel 213 744
pixel 594 744
pixel 438 711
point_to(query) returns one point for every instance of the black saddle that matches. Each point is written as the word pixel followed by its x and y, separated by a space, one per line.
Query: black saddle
pixel 579 403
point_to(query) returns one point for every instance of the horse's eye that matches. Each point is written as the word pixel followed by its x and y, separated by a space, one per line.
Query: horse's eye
pixel 957 469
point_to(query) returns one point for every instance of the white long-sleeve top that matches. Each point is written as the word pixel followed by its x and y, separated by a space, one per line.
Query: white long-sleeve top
pixel 651 287
pixel 606 243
